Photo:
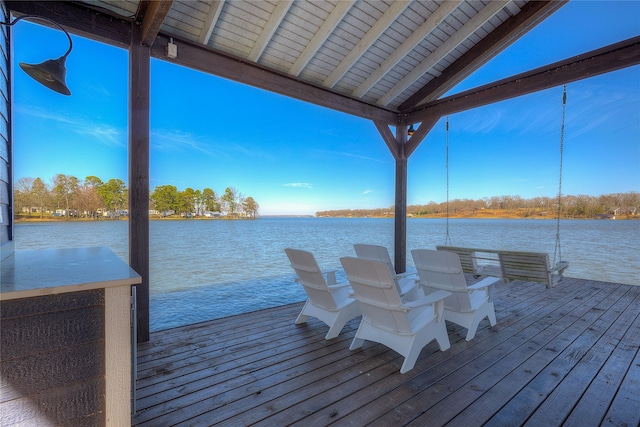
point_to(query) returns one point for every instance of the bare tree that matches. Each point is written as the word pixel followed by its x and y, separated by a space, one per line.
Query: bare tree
pixel 22 195
pixel 65 189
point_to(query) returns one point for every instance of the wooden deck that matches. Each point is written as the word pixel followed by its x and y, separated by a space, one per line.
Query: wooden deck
pixel 566 356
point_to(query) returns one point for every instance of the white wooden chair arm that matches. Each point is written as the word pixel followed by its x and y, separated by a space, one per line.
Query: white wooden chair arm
pixel 436 298
pixel 484 283
pixel 429 299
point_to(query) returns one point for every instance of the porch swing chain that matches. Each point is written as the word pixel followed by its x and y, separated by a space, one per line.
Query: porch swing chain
pixel 447 240
pixel 557 251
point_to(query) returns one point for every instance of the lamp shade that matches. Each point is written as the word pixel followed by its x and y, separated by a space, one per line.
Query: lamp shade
pixel 51 73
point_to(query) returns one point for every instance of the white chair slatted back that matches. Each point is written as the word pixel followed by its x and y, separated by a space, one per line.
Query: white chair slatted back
pixel 311 278
pixel 441 270
pixel 377 253
pixel 376 293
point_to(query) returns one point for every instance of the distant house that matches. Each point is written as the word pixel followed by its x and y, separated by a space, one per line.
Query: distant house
pixel 212 214
pixel 26 209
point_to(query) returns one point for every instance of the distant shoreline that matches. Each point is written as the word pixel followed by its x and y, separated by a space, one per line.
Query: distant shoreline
pixel 26 220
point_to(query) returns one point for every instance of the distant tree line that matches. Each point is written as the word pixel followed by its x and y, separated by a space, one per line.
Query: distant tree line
pixel 69 196
pixel 617 204
pixel 167 198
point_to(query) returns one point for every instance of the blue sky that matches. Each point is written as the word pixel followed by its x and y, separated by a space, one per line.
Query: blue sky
pixel 296 158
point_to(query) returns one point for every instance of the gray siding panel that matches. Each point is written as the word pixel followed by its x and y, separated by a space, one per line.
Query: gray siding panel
pixel 6 178
pixel 52 359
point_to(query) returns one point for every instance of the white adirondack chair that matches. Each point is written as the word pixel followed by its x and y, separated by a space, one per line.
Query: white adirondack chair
pixel 404 327
pixel 327 301
pixel 468 305
pixel 405 282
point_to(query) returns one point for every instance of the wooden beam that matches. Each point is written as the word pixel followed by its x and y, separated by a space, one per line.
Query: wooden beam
pixel 151 15
pixel 221 64
pixel 423 130
pixel 506 33
pixel 80 20
pixel 139 89
pixel 412 142
pixel 610 58
pixel 387 136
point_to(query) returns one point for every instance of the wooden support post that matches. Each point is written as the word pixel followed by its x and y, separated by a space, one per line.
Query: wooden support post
pixel 401 148
pixel 400 231
pixel 139 73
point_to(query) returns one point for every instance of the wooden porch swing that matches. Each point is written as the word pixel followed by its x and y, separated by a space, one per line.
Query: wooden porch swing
pixel 513 265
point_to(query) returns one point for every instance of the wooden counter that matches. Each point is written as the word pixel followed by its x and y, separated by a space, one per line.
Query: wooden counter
pixel 65 338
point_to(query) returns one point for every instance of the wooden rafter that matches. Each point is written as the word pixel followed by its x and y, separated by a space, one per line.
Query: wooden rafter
pixel 282 7
pixel 210 22
pixel 151 14
pixel 443 50
pixel 318 39
pixel 407 46
pixel 513 28
pixel 365 43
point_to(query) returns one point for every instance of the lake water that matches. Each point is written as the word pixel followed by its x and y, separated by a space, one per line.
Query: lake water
pixel 206 269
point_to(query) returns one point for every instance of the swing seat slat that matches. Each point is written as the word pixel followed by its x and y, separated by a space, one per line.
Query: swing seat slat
pixel 531 267
pixel 469 260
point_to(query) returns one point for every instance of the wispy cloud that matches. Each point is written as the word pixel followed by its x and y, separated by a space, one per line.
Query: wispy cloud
pixel 367 192
pixel 104 133
pixel 171 140
pixel 299 185
pixel 354 155
pixel 40 113
pixel 251 151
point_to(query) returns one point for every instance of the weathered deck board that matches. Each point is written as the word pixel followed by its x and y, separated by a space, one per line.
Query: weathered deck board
pixel 562 355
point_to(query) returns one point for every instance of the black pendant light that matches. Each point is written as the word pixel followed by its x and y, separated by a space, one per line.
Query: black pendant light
pixel 51 73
